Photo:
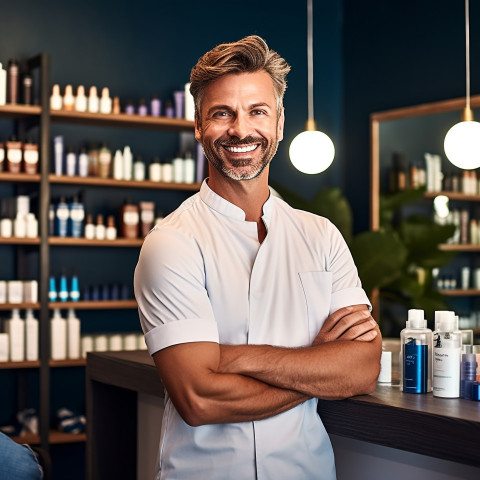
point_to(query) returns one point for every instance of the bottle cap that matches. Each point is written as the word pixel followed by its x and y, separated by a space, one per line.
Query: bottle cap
pixel 445 321
pixel 416 319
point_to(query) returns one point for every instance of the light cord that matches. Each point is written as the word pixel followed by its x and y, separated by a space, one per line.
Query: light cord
pixel 310 57
pixel 467 52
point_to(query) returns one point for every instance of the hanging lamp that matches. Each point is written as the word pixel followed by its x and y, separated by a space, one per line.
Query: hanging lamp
pixel 462 142
pixel 311 151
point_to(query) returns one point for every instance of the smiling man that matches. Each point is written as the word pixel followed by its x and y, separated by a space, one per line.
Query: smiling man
pixel 250 309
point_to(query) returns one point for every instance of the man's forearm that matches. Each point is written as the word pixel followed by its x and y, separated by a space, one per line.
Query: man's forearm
pixel 338 369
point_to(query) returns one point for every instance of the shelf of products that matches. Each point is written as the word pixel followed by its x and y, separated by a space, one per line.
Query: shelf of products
pixel 95 305
pixel 85 242
pixel 54 437
pixel 407 153
pixel 19 177
pixel 22 306
pixel 18 112
pixel 19 241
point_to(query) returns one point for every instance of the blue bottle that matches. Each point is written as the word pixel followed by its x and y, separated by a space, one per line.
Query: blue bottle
pixel 61 218
pixel 416 342
pixel 76 217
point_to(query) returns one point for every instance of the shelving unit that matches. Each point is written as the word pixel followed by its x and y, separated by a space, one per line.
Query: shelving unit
pixel 41 116
pixel 414 131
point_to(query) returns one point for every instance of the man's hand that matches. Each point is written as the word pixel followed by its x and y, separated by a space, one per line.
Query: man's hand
pixel 348 323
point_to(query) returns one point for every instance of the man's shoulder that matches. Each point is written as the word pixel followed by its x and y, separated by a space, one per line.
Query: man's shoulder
pixel 302 216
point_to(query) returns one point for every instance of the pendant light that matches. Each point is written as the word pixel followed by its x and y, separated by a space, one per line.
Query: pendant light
pixel 311 151
pixel 462 142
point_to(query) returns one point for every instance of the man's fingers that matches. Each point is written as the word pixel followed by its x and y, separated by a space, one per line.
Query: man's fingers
pixel 350 321
pixel 333 319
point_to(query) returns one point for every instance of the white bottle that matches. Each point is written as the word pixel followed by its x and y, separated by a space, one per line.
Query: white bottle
pixel 15 327
pixel 58 336
pixel 189 168
pixel 118 165
pixel 105 101
pixel 31 336
pixel 447 350
pixel 4 354
pixel 73 335
pixel 83 163
pixel 81 99
pixel 32 226
pixel 56 100
pixel 178 169
pixel 3 85
pixel 20 226
pixel 127 163
pixel 155 171
pixel 93 101
pixel 139 170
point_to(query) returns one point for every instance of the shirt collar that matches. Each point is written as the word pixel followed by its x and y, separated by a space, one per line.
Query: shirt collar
pixel 224 207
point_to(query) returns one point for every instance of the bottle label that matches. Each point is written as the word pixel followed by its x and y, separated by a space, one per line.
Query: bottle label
pixel 14 155
pixel 77 214
pixel 415 368
pixel 30 156
pixel 130 218
pixel 147 216
pixel 62 213
pixel 2 154
pixel 446 372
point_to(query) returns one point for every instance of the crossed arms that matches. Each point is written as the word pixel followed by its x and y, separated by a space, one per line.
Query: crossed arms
pixel 211 383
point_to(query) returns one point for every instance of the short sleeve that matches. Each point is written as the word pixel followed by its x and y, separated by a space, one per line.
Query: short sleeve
pixel 346 285
pixel 169 284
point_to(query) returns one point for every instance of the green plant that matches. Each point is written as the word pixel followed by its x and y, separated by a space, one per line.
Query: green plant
pixel 396 260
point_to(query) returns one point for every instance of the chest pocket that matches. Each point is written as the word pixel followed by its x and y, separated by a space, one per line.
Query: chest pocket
pixel 317 288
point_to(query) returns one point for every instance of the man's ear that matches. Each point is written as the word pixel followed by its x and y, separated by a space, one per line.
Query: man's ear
pixel 198 129
pixel 281 122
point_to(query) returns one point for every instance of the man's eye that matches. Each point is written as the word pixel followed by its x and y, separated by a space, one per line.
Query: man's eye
pixel 258 112
pixel 220 114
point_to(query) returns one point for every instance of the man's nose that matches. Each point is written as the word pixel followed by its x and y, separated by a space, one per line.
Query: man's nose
pixel 239 127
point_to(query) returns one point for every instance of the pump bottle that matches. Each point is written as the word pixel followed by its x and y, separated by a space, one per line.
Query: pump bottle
pixel 447 351
pixel 31 336
pixel 416 342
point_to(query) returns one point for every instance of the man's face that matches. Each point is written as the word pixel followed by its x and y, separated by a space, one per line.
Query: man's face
pixel 240 127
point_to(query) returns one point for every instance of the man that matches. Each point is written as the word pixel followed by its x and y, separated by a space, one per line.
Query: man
pixel 250 308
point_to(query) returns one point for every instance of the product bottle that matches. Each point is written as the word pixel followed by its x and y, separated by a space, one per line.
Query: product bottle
pixel 12 81
pixel 398 176
pixel 63 291
pixel 89 227
pixel 27 88
pixel 129 108
pixel 77 215
pixel 31 225
pixel 100 228
pixel 20 226
pixel 169 110
pixel 111 231
pixel 93 100
pixel 2 156
pixel 129 220
pixel 74 293
pixel 3 85
pixel 116 109
pixel 142 108
pixel 447 349
pixel 139 169
pixel 15 327
pixel 468 373
pixel 70 162
pixel 52 290
pixel 30 157
pixel 58 336
pixel 178 169
pixel 58 153
pixel 61 218
pixel 416 342
pixel 147 217
pixel 83 162
pixel 104 161
pixel 105 101
pixel 179 97
pixel 93 160
pixel 155 170
pixel 56 101
pixel 127 163
pixel 31 336
pixel 73 335
pixel 81 99
pixel 118 165
pixel 68 98
pixel 155 106
pixel 14 155
pixel 189 168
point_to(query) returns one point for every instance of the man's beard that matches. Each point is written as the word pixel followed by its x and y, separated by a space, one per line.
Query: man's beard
pixel 248 170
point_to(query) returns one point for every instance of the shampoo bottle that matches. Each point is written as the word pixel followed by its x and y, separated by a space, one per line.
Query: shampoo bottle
pixel 16 335
pixel 416 342
pixel 127 163
pixel 31 337
pixel 446 355
pixel 3 85
pixel 73 335
pixel 58 336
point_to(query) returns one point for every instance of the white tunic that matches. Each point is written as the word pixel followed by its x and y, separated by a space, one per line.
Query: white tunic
pixel 203 276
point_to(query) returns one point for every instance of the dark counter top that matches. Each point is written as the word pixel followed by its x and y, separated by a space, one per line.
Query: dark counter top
pixel 444 428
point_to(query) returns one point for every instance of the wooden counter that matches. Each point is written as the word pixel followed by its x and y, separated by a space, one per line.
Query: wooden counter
pixel 444 428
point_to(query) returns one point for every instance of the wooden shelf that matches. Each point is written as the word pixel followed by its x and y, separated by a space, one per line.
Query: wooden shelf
pixel 19 241
pixel 94 305
pixel 111 182
pixel 450 247
pixel 55 436
pixel 122 120
pixel 471 292
pixel 21 306
pixel 19 177
pixel 16 365
pixel 85 242
pixel 454 196
pixel 19 111
pixel 77 362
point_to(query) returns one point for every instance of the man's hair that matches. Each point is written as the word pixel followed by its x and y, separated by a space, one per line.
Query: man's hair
pixel 248 55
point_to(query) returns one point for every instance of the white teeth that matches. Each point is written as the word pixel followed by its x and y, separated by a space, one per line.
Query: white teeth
pixel 241 149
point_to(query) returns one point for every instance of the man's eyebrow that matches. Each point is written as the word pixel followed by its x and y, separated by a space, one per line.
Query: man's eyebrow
pixel 227 108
